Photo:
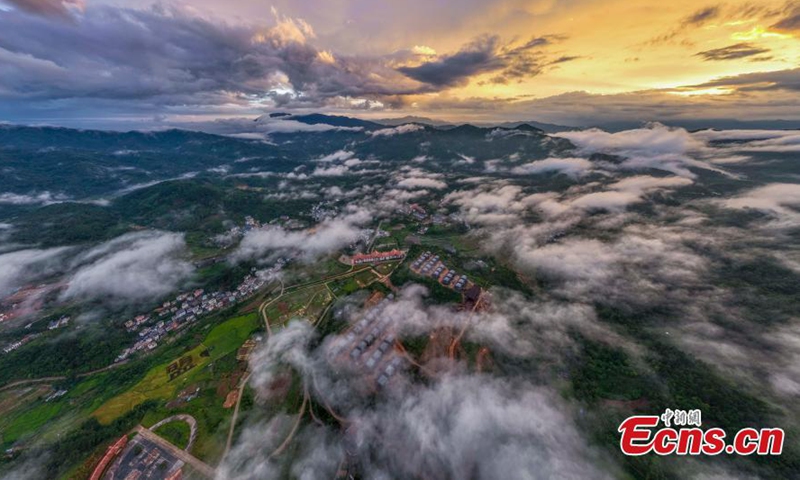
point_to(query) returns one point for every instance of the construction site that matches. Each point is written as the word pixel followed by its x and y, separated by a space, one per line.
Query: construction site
pixel 371 346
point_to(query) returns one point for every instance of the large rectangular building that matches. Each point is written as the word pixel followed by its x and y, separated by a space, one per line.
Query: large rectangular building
pixel 377 257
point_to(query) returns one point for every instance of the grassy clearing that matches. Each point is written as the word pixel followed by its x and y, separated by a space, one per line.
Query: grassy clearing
pixel 352 284
pixel 13 400
pixel 438 236
pixel 365 278
pixel 318 304
pixel 322 269
pixel 30 421
pixel 385 268
pixel 387 243
pixel 176 433
pixel 307 302
pixel 156 385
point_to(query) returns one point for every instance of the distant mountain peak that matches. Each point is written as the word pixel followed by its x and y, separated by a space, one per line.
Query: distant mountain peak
pixel 528 128
pixel 321 118
pixel 465 129
pixel 394 122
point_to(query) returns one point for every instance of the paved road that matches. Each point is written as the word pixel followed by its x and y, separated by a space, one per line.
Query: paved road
pixel 262 310
pixel 242 384
pixel 202 468
pixel 20 383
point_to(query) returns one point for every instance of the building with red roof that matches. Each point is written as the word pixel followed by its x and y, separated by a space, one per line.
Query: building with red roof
pixel 377 257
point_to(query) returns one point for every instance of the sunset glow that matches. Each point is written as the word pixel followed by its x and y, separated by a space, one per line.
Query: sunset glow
pixel 499 60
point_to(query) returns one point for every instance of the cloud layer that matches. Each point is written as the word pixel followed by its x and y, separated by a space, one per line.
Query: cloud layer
pixel 132 268
pixel 23 266
pixel 329 236
pixel 435 430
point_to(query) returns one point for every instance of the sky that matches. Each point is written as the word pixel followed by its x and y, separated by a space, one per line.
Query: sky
pixel 575 62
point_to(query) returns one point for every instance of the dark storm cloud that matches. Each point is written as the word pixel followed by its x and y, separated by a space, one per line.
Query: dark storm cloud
pixel 478 57
pixel 790 23
pixel 170 55
pixel 696 19
pixel 720 13
pixel 732 52
pixel 564 59
pixel 486 54
pixel 529 60
pixel 788 80
pixel 167 59
pixel 702 16
pixel 48 8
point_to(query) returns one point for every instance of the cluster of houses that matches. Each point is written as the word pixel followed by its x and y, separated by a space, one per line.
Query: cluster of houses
pixel 366 234
pixel 236 232
pixel 55 395
pixel 228 238
pixel 417 212
pixel 286 221
pixel 421 215
pixel 251 223
pixel 15 345
pixel 432 266
pixel 61 322
pixel 322 211
pixel 289 223
pixel 439 219
pixel 185 309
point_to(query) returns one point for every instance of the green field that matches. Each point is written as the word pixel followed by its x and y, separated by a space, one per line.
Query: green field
pixel 318 303
pixel 352 284
pixel 385 268
pixel 29 421
pixel 207 408
pixel 441 236
pixel 220 341
pixel 176 433
pixel 321 269
pixel 308 302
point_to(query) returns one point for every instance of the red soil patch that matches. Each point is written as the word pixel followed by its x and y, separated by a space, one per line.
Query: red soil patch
pixel 230 400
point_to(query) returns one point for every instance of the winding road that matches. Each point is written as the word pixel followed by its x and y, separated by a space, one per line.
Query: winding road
pixel 19 383
pixel 181 418
pixel 262 310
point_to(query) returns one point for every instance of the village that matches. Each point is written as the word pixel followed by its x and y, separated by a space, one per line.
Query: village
pixel 186 308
